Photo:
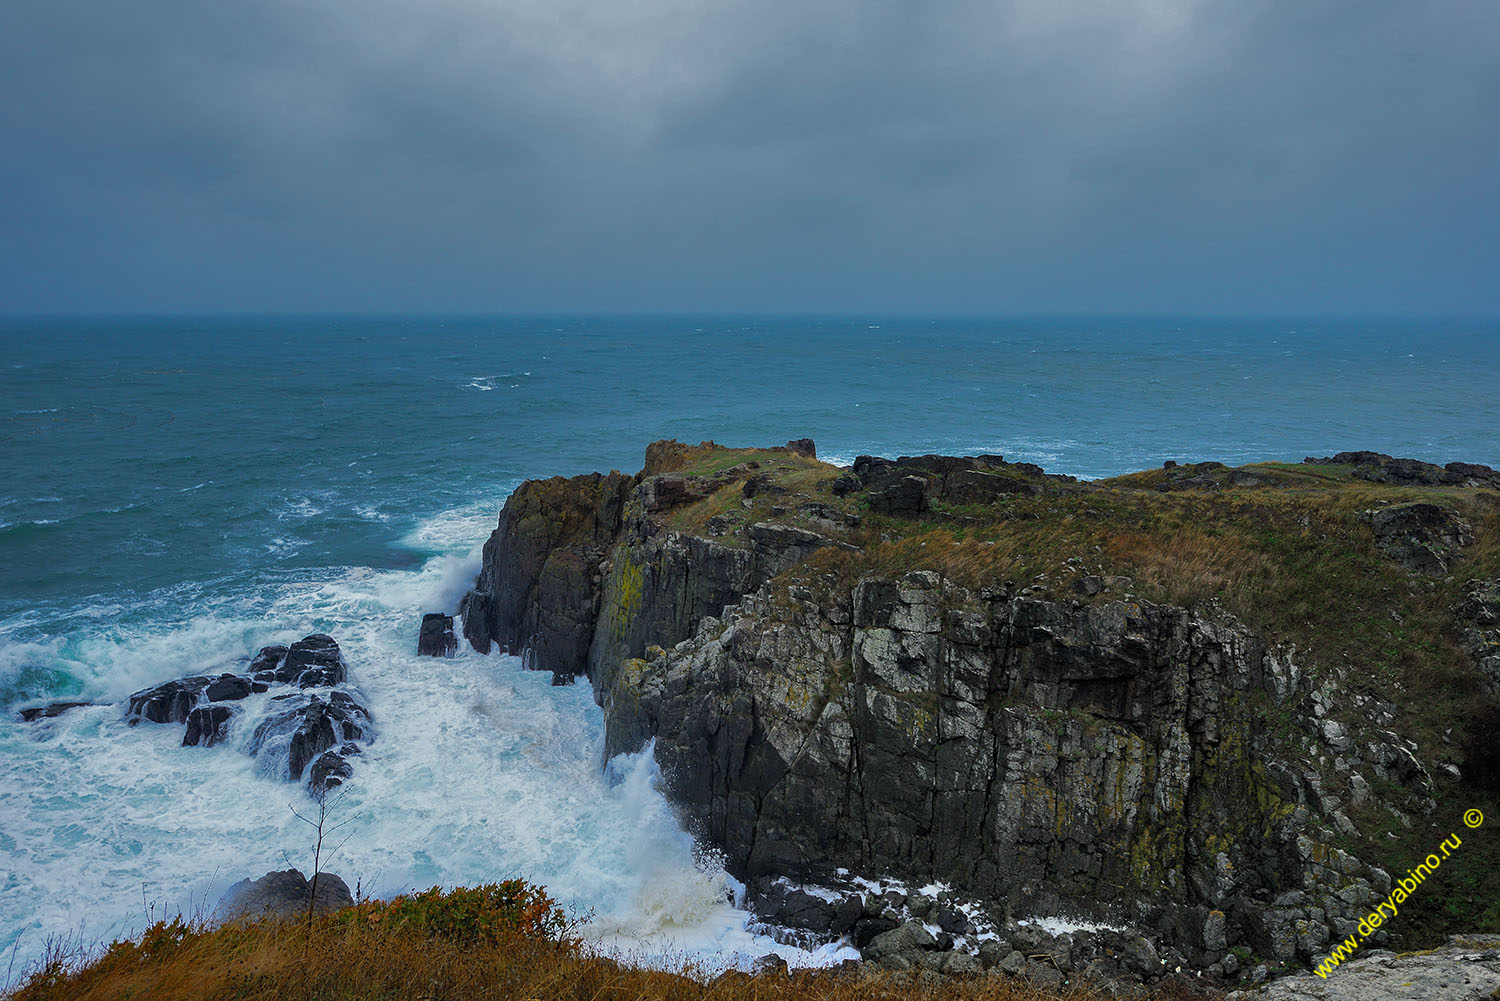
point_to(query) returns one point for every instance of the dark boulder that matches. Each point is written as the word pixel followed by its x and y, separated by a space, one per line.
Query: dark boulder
pixel 48 711
pixel 267 665
pixel 168 703
pixel 331 768
pixel 304 731
pixel 232 688
pixel 849 911
pixel 791 907
pixel 207 726
pixel 173 701
pixel 315 662
pixel 803 447
pixel 866 929
pixel 845 484
pixel 436 638
pixel 282 895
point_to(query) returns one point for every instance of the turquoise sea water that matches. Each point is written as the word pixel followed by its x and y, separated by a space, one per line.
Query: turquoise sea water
pixel 175 493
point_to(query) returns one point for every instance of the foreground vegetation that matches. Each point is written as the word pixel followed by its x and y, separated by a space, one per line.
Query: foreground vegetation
pixel 503 942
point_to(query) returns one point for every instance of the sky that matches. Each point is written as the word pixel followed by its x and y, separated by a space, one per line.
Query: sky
pixel 841 156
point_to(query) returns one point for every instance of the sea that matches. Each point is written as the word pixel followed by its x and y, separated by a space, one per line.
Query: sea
pixel 177 492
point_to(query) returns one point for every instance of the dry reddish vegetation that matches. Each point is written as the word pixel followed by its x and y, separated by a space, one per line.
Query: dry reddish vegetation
pixel 506 942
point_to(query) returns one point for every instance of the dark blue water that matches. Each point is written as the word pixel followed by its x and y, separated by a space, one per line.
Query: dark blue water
pixel 174 493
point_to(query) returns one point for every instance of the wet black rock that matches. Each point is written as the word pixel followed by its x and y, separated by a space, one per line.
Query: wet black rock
pixel 48 711
pixel 792 907
pixel 232 688
pixel 173 701
pixel 305 730
pixel 267 665
pixel 305 734
pixel 332 767
pixel 315 662
pixel 436 638
pixel 207 726
pixel 865 930
pixel 168 703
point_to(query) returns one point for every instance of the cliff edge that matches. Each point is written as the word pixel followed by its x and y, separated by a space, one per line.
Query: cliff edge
pixel 1225 705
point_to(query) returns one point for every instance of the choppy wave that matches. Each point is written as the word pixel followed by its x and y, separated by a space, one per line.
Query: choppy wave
pixel 480 771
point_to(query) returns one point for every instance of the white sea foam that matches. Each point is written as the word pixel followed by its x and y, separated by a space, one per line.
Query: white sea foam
pixel 1062 925
pixel 298 509
pixel 479 771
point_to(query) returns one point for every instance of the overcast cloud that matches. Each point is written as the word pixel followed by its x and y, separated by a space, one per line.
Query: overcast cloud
pixel 810 155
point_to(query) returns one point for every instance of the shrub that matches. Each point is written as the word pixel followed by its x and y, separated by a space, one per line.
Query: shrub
pixel 494 914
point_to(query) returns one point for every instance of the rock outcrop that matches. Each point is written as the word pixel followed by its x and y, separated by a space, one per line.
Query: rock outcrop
pixel 907 486
pixel 327 728
pixel 307 735
pixel 282 896
pixel 1377 467
pixel 537 591
pixel 174 701
pixel 579 575
pixel 436 638
pixel 1424 538
pixel 1478 617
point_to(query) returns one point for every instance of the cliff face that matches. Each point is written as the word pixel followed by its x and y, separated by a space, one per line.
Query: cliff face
pixel 1109 758
pixel 1081 753
pixel 538 588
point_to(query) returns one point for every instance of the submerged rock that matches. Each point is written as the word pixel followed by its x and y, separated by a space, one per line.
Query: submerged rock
pixel 282 895
pixel 436 638
pixel 48 711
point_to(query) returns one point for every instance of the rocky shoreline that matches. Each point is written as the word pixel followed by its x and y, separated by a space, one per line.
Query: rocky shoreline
pixel 1059 745
pixel 315 728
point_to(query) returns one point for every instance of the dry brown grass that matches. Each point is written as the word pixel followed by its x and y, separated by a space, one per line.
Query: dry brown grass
pixel 333 962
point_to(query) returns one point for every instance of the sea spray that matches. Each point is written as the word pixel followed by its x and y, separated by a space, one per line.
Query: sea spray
pixel 479 771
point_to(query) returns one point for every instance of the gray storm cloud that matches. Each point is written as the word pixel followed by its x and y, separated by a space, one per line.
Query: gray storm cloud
pixel 934 157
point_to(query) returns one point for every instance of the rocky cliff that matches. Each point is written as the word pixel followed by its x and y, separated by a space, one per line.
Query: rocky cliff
pixel 1042 693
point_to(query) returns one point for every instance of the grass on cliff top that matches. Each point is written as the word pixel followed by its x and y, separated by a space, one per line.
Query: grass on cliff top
pixel 445 948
